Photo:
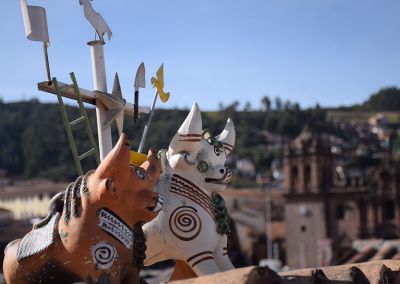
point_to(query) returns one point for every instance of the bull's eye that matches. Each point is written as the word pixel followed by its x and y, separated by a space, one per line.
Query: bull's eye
pixel 202 166
pixel 217 150
pixel 109 183
pixel 139 173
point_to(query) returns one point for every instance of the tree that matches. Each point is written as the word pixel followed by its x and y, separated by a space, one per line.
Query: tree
pixel 385 99
pixel 278 104
pixel 396 148
pixel 266 103
pixel 296 107
pixel 247 106
pixel 288 105
pixel 229 110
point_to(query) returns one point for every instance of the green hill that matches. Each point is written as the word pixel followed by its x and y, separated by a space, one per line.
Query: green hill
pixel 33 142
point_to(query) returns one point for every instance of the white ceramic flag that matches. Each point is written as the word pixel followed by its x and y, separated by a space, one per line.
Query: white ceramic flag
pixel 35 22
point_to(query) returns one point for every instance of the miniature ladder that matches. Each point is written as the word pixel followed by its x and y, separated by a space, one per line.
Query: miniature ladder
pixel 83 118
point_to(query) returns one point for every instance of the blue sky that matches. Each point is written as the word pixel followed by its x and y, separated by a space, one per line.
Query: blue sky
pixel 331 52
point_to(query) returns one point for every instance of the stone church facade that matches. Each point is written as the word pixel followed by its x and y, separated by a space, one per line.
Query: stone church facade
pixel 334 197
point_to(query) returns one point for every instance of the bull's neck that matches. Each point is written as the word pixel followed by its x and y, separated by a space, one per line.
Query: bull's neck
pixel 92 218
pixel 212 203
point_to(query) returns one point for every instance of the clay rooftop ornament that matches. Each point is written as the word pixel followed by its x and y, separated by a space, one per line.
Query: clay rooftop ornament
pixel 157 83
pixel 115 105
pixel 35 23
pixel 193 222
pixel 140 82
pixel 96 20
pixel 90 234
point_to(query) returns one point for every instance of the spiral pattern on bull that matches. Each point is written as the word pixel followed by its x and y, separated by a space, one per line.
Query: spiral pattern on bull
pixel 184 223
pixel 104 255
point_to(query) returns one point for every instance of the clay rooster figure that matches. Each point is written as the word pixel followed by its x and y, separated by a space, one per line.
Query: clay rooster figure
pixel 192 225
pixel 90 233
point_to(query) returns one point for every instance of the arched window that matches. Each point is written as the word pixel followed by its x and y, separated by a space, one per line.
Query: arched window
pixel 390 210
pixel 340 212
pixel 294 178
pixel 307 178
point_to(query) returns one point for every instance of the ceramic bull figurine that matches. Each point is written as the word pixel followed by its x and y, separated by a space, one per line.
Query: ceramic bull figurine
pixel 189 228
pixel 89 233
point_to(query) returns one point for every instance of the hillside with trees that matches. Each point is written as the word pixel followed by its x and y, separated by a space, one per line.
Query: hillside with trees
pixel 33 142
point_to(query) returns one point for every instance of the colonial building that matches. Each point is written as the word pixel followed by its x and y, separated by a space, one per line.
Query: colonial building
pixel 247 209
pixel 29 199
pixel 336 192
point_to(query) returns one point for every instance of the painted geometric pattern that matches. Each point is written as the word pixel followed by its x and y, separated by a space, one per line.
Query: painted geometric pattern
pixel 117 228
pixel 185 223
pixel 186 188
pixel 190 137
pixel 200 257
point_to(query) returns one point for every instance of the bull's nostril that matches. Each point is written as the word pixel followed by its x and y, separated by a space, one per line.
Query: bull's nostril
pixel 221 171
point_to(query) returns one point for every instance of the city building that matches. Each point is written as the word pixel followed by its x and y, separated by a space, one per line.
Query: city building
pixel 336 193
pixel 29 199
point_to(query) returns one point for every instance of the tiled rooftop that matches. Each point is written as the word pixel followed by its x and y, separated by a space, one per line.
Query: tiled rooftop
pixel 374 272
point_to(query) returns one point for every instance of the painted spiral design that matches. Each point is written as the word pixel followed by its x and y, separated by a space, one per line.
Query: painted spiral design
pixel 104 255
pixel 184 223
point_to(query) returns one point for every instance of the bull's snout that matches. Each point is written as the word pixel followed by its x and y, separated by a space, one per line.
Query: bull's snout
pixel 224 178
pixel 158 201
pixel 225 171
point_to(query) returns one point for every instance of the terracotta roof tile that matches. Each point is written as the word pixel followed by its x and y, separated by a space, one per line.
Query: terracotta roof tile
pixel 374 272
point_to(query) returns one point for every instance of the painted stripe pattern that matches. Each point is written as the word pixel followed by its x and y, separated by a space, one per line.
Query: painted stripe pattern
pixel 229 176
pixel 185 188
pixel 228 147
pixel 190 137
pixel 199 257
pixel 115 227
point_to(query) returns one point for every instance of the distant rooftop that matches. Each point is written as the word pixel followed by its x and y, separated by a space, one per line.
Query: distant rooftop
pixel 30 188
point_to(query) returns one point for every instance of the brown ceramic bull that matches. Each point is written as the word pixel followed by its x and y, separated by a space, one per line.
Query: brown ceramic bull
pixel 89 233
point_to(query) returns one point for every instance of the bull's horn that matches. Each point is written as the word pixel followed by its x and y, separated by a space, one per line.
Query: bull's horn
pixel 188 136
pixel 117 161
pixel 227 136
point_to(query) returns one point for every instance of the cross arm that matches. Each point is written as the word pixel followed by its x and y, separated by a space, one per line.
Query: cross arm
pixel 87 96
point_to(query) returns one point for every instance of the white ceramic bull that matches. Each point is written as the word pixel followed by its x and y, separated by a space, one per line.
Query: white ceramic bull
pixel 186 228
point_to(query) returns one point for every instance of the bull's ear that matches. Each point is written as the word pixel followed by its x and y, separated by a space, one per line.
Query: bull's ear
pixel 188 136
pixel 117 160
pixel 227 136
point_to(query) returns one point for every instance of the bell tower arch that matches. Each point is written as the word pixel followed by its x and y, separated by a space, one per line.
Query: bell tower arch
pixel 307 165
